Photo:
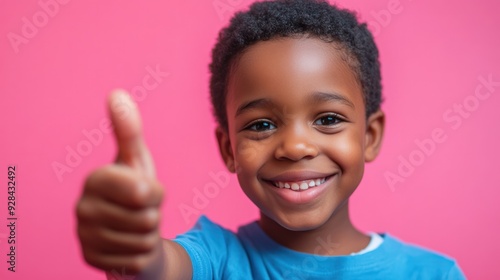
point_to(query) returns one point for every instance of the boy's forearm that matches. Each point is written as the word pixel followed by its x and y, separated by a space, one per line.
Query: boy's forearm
pixel 171 262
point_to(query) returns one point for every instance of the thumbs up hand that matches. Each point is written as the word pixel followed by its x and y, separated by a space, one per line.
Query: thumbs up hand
pixel 118 211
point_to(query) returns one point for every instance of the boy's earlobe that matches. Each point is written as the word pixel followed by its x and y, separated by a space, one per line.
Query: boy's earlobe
pixel 225 148
pixel 374 134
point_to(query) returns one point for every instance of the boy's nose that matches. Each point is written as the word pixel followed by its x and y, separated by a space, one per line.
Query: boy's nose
pixel 296 143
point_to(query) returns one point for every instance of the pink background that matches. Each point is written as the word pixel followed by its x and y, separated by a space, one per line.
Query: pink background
pixel 53 88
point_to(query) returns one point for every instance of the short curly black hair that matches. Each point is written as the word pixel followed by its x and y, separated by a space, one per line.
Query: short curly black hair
pixel 287 18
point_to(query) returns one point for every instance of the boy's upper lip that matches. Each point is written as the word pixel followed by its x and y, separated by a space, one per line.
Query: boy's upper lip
pixel 298 175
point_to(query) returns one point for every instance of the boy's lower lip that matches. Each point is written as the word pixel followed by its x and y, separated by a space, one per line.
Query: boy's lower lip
pixel 301 196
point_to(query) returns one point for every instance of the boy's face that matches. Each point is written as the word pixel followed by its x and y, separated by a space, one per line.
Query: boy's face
pixel 296 119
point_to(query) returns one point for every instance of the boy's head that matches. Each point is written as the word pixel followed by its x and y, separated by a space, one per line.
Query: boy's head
pixel 296 91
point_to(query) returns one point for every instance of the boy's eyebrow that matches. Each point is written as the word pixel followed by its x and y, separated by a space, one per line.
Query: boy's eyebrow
pixel 320 97
pixel 317 97
pixel 262 102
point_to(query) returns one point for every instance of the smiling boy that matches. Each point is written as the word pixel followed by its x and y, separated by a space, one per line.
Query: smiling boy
pixel 296 91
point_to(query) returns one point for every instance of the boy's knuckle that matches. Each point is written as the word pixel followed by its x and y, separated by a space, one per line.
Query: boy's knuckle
pixel 144 193
pixel 100 235
pixel 139 194
pixel 84 211
pixel 91 258
pixel 82 234
pixel 96 178
pixel 137 264
pixel 149 221
pixel 159 191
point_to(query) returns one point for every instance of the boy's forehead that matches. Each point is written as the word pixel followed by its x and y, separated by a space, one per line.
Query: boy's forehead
pixel 293 64
pixel 300 53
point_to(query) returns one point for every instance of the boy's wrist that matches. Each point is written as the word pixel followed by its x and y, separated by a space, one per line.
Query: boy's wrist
pixel 154 271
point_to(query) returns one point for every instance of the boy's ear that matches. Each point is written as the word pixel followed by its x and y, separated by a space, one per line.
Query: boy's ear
pixel 225 148
pixel 374 134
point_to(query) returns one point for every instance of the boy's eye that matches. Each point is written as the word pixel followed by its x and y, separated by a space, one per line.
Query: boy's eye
pixel 328 120
pixel 261 126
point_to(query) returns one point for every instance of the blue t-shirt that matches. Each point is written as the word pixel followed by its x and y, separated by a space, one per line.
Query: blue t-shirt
pixel 217 253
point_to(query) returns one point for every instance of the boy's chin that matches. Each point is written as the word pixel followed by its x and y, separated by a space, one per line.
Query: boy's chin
pixel 301 221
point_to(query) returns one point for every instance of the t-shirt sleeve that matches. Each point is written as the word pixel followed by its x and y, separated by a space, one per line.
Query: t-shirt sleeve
pixel 456 273
pixel 208 245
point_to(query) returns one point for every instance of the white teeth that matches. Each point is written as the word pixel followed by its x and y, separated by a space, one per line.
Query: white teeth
pixel 302 185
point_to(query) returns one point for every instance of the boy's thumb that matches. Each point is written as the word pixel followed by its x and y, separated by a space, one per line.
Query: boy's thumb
pixel 126 120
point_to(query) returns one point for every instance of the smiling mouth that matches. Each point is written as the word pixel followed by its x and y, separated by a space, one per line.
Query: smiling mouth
pixel 300 185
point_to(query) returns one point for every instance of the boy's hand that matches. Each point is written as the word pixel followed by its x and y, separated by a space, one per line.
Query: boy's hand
pixel 118 212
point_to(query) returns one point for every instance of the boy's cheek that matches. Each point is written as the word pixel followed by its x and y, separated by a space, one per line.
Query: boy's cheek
pixel 346 149
pixel 247 151
pixel 252 154
pixel 347 153
pixel 245 155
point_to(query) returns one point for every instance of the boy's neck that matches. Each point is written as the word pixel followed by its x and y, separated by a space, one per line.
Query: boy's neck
pixel 334 238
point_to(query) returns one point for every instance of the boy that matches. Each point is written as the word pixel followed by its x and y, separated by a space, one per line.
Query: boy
pixel 296 91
